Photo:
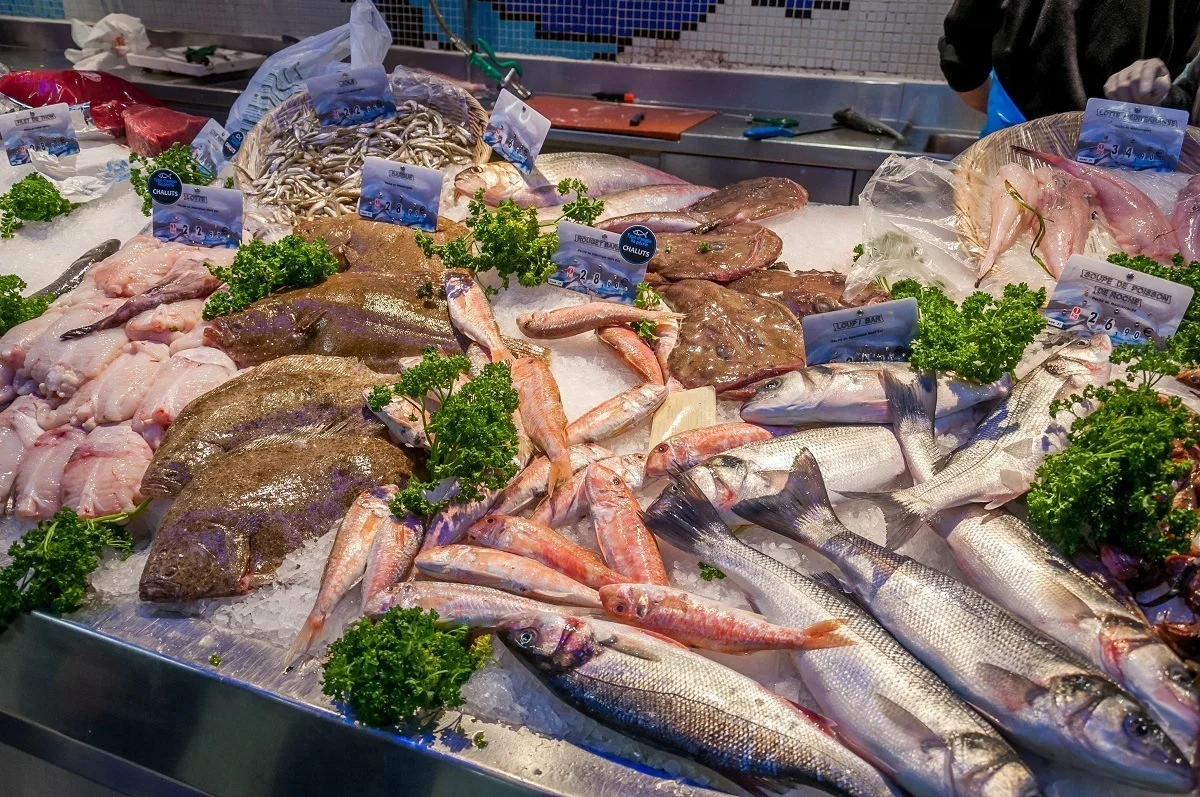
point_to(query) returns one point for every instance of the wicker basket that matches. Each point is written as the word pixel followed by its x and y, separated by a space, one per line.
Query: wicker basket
pixel 1055 135
pixel 454 103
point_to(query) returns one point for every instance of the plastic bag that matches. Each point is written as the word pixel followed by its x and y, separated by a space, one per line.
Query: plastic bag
pixel 105 44
pixel 108 95
pixel 365 39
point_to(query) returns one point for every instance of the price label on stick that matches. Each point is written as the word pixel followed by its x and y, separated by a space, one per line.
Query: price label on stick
pixel 46 129
pixel 400 193
pixel 1093 296
pixel 515 131
pixel 603 264
pixel 1127 135
pixel 196 215
pixel 882 331
pixel 351 96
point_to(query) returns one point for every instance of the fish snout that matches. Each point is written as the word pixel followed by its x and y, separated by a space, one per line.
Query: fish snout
pixel 160 590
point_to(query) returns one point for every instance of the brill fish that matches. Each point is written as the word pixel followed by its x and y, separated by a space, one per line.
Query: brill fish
pixel 884 703
pixel 681 701
pixel 1034 689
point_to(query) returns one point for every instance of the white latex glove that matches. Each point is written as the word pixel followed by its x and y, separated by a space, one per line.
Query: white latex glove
pixel 1145 81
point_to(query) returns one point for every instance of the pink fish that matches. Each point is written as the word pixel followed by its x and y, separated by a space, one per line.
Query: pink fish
pixel 396 545
pixel 459 604
pixel 701 623
pixel 686 449
pixel 39 479
pixel 542 544
pixel 616 415
pixel 1065 205
pixel 634 352
pixel 471 313
pixel 570 504
pixel 19 430
pixel 1136 223
pixel 543 417
pixel 1186 220
pixel 627 545
pixel 1009 217
pixel 509 572
pixel 104 473
pixel 166 323
pixel 182 378
pixel 531 483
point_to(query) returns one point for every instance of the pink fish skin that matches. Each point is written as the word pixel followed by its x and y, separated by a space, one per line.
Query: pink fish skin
pixel 396 545
pixel 1136 223
pixel 39 479
pixel 634 352
pixel 19 430
pixel 531 483
pixel 1065 205
pixel 483 566
pixel 104 473
pixel 627 545
pixel 682 451
pixel 543 417
pixel 1186 220
pixel 570 504
pixel 543 544
pixel 460 604
pixel 616 415
pixel 1009 218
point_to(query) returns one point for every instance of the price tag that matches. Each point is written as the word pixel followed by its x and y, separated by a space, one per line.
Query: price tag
pixel 606 265
pixel 196 215
pixel 875 332
pixel 351 96
pixel 208 147
pixel 1126 135
pixel 515 131
pixel 46 129
pixel 1093 296
pixel 400 193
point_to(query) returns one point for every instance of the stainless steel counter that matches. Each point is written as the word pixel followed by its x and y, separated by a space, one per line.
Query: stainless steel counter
pixel 833 165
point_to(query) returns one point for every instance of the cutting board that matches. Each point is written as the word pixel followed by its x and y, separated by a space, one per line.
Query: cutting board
pixel 571 113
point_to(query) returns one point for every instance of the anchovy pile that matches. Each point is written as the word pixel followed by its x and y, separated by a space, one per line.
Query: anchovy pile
pixel 313 170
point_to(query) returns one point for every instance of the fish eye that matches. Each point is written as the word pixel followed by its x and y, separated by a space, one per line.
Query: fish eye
pixel 616 479
pixel 620 608
pixel 1139 725
pixel 526 637
pixel 491 519
pixel 772 385
pixel 1180 675
pixel 661 448
pixel 170 570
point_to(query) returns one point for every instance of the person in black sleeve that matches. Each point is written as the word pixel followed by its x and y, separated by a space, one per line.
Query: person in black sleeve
pixel 1022 59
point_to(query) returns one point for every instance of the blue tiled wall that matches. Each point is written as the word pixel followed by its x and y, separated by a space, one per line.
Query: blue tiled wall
pixel 50 9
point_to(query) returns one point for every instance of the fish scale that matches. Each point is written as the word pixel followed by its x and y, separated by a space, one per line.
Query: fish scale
pixel 882 701
pixel 672 697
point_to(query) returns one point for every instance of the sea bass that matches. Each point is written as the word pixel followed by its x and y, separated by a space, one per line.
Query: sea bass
pixel 634 352
pixel 601 173
pixel 509 572
pixel 292 395
pixel 460 604
pixel 579 318
pixel 642 201
pixel 570 504
pixel 701 623
pixel 883 702
pixel 471 313
pixel 682 701
pixel 1133 218
pixel 230 527
pixel 543 544
pixel 1010 217
pixel 999 461
pixel 685 450
pixel 543 417
pixel 628 547
pixel 851 393
pixel 616 415
pixel 1031 687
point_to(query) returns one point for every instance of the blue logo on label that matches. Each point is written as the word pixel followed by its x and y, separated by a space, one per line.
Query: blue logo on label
pixel 637 245
pixel 232 144
pixel 165 187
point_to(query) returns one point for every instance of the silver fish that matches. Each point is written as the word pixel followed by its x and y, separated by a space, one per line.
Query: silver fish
pixel 883 702
pixel 682 701
pixel 999 461
pixel 851 393
pixel 73 274
pixel 1036 690
pixel 857 459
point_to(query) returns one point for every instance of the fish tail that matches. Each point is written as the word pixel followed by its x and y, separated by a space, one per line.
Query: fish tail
pixel 560 473
pixel 683 516
pixel 799 509
pixel 500 353
pixel 304 640
pixel 912 404
pixel 821 635
pixel 902 514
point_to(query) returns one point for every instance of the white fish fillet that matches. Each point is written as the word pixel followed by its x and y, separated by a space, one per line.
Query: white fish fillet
pixel 39 479
pixel 105 470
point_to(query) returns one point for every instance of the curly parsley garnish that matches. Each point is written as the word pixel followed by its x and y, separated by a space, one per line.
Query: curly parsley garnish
pixel 647 299
pixel 32 198
pixel 178 158
pixel 16 308
pixel 260 268
pixel 710 573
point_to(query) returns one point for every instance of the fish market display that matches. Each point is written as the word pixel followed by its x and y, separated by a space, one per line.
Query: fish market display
pixel 688 449
pixel 722 256
pixel 1185 218
pixel 363 245
pixel 805 292
pixel 728 339
pixel 634 352
pixel 75 273
pixel 461 604
pixel 230 527
pixel 471 314
pixel 1027 684
pixel 686 702
pixel 749 200
pixel 619 414
pixel 566 322
pixel 533 482
pixel 628 547
pixel 601 173
pixel 646 199
pixel 543 417
pixel 1010 214
pixel 543 544
pixel 317 171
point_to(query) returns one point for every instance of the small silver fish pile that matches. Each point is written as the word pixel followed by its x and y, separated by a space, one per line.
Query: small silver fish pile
pixel 313 170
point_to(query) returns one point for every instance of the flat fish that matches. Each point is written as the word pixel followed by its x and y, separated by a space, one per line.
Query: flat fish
pixel 363 245
pixel 806 292
pixel 729 339
pixel 722 256
pixel 290 396
pixel 230 528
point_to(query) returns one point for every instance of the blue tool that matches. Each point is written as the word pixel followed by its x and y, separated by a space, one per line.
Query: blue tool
pixel 778 131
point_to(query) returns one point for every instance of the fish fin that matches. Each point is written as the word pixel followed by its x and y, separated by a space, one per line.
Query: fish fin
pixel 828 580
pixel 1015 482
pixel 682 516
pixel 1014 689
pixel 501 354
pixel 825 634
pixel 304 640
pixel 902 514
pixel 913 726
pixel 560 473
pixel 799 509
pixel 912 405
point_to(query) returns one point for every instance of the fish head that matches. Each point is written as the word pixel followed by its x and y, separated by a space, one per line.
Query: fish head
pixel 195 557
pixel 725 480
pixel 603 486
pixel 666 457
pixel 550 642
pixel 1118 731
pixel 780 397
pixel 497 181
pixel 487 530
pixel 630 602
pixel 1083 361
pixel 986 766
pixel 457 283
pixel 395 596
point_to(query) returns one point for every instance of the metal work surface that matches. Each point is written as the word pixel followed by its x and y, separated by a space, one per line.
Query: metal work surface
pixel 154 718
